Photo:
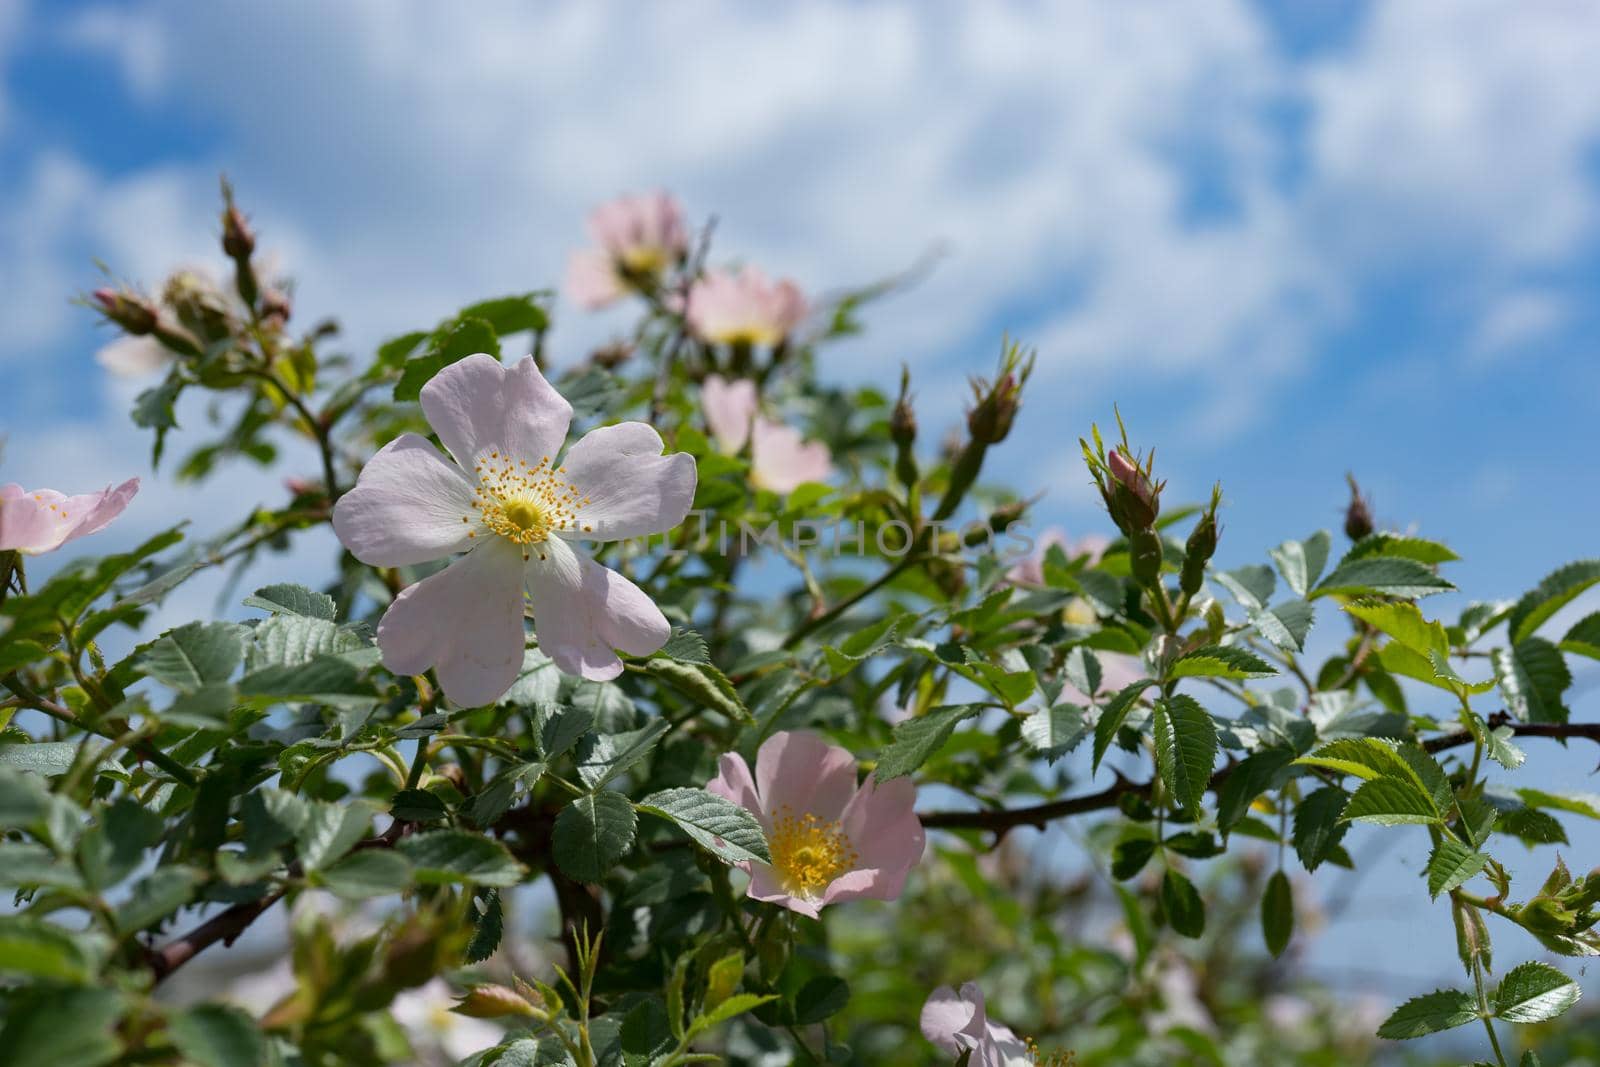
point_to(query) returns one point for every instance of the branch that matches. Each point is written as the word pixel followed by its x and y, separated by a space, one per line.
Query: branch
pixel 1001 820
pixel 225 927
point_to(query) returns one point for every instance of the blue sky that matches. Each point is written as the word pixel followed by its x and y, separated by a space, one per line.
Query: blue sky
pixel 1289 240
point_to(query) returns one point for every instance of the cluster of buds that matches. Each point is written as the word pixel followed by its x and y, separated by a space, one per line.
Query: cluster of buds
pixel 1358 516
pixel 1564 913
pixel 1133 497
pixel 995 405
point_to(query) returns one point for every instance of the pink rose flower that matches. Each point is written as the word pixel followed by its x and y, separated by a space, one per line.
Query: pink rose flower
pixel 134 356
pixel 831 840
pixel 729 407
pixel 1030 571
pixel 518 516
pixel 44 520
pixel 635 237
pixel 958 1023
pixel 780 460
pixel 729 308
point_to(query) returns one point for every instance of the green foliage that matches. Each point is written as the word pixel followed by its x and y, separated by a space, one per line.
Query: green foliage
pixel 161 792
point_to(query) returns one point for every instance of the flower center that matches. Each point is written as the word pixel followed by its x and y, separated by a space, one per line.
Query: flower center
pixel 1041 1058
pixel 521 502
pixel 808 853
pixel 643 259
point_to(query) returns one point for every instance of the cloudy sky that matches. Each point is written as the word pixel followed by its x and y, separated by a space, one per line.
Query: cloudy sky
pixel 1289 240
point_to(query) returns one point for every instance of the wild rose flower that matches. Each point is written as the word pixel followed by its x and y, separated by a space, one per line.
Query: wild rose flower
pixel 958 1023
pixel 729 408
pixel 44 520
pixel 831 840
pixel 637 238
pixel 780 459
pixel 449 1037
pixel 745 307
pixel 518 515
pixel 1030 571
pixel 134 357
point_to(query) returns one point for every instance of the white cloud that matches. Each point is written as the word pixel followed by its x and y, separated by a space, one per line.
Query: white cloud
pixel 1517 320
pixel 1464 126
pixel 1115 182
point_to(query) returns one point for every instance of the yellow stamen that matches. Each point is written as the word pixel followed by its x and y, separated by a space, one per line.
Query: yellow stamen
pixel 523 504
pixel 808 853
pixel 1049 1059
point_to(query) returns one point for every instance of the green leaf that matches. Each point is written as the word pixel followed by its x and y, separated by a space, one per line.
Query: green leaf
pixel 468 336
pixel 916 740
pixel 1301 563
pixel 369 873
pixel 1558 589
pixel 1180 900
pixel 417 805
pixel 510 314
pixel 1251 586
pixel 1584 637
pixel 1532 676
pixel 459 857
pixel 32 947
pixel 1113 715
pixel 1451 865
pixel 1221 661
pixel 685 646
pixel 1130 855
pixel 24 799
pixel 591 834
pixel 194 655
pixel 1404 623
pixel 63 1028
pixel 330 830
pixel 722 827
pixel 602 757
pixel 1430 1013
pixel 47 758
pixel 731 1008
pixel 1385 544
pixel 1083 671
pixel 1391 802
pixel 1585 804
pixel 1277 913
pixel 291 640
pixel 1054 732
pixel 1533 992
pixel 1253 776
pixel 701 682
pixel 488 926
pixel 156 896
pixel 1318 827
pixel 1186 748
pixel 328 679
pixel 215 1035
pixel 561 727
pixel 1381 576
pixel 288 598
pixel 821 998
pixel 1285 625
pixel 1364 757
pixel 115 845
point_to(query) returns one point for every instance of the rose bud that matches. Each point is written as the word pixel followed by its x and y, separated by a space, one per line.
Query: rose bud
pixel 1358 516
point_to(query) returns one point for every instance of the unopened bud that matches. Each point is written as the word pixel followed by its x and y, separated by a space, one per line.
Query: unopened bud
pixel 493 1002
pixel 1002 517
pixel 1358 516
pixel 613 355
pixel 1133 500
pixel 276 308
pixel 1201 546
pixel 903 419
pixel 238 239
pixel 991 417
pixel 133 313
